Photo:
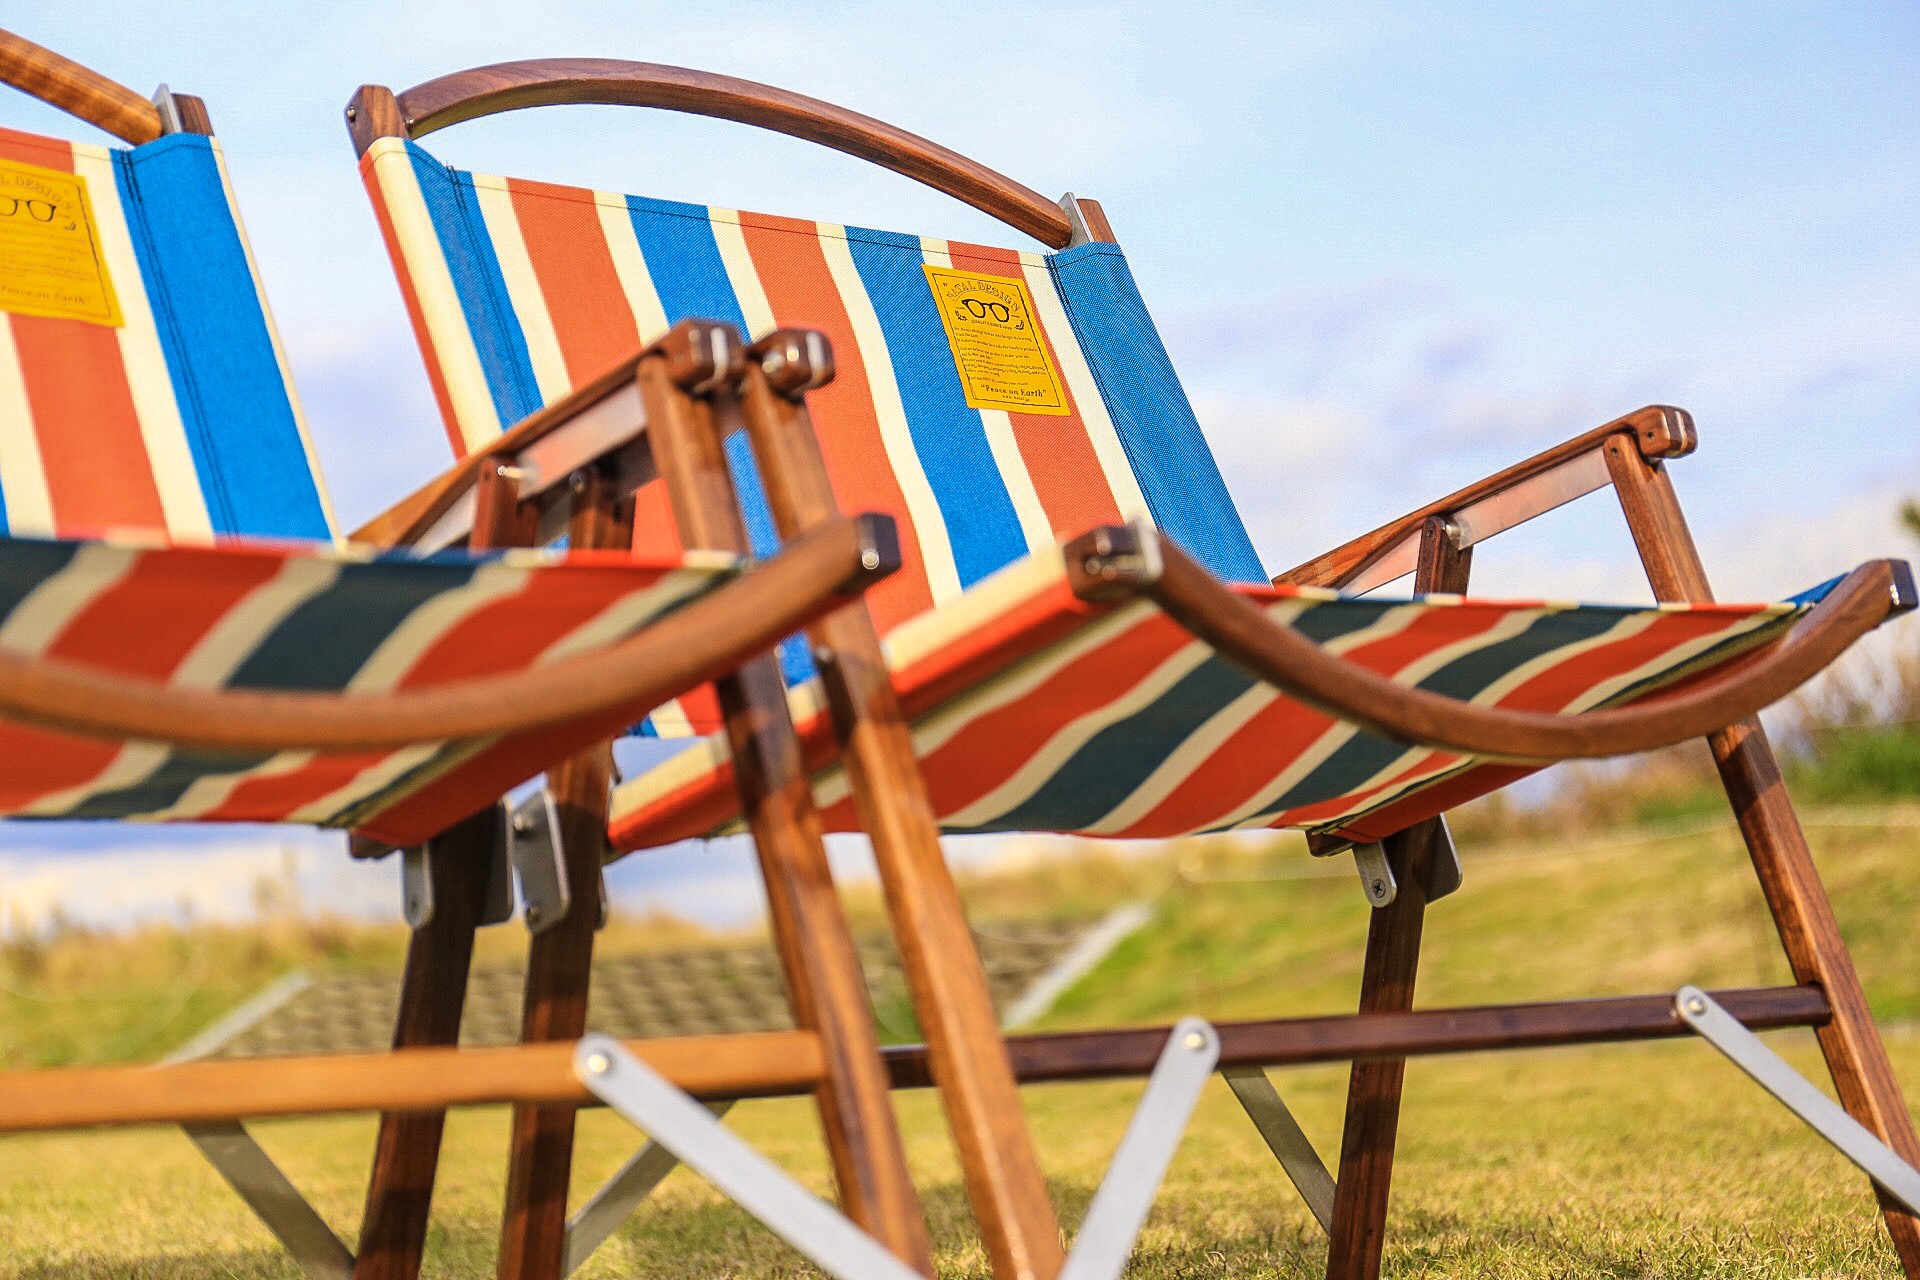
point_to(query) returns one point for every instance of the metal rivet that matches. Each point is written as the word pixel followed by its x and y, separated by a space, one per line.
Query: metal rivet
pixel 533 913
pixel 869 559
pixel 353 113
pixel 522 824
pixel 1195 1041
pixel 599 1063
pixel 1696 1005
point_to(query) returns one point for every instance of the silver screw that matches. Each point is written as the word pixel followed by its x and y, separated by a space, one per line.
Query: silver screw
pixel 1696 1005
pixel 599 1063
pixel 353 113
pixel 869 559
pixel 522 824
pixel 533 913
pixel 1195 1041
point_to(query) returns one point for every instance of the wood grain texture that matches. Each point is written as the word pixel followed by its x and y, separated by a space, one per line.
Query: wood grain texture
pixel 1789 879
pixel 815 946
pixel 514 86
pixel 77 90
pixel 372 113
pixel 676 653
pixel 1291 662
pixel 533 1234
pixel 944 976
pixel 433 988
pixel 1659 431
pixel 194 117
pixel 1131 1052
pixel 1363 1184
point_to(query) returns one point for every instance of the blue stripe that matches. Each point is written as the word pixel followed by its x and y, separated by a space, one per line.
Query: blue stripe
pixel 952 443
pixel 1118 759
pixel 1177 472
pixel 320 645
pixel 226 376
pixel 477 279
pixel 25 563
pixel 682 257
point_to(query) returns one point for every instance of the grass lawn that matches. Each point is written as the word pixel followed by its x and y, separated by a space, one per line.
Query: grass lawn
pixel 1652 1160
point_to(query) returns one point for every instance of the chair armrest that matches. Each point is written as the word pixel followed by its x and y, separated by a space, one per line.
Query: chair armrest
pixel 1139 560
pixel 1499 502
pixel 602 422
pixel 816 573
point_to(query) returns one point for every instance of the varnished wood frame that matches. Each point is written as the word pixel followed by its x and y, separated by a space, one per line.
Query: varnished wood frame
pixel 511 86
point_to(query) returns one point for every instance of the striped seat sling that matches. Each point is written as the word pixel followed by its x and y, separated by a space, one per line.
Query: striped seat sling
pixel 164 519
pixel 997 403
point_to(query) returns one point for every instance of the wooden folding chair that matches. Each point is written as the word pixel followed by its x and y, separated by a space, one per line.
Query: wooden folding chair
pixel 183 638
pixel 1083 639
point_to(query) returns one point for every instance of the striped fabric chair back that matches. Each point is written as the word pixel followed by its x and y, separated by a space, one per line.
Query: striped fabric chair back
pixel 142 387
pixel 993 401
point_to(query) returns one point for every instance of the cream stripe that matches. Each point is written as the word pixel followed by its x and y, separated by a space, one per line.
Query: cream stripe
pixel 936 546
pixel 39 619
pixel 1000 442
pixel 425 265
pixel 630 265
pixel 523 291
pixel 182 505
pixel 369 781
pixel 741 275
pixel 1114 465
pixel 23 474
pixel 211 662
pixel 279 351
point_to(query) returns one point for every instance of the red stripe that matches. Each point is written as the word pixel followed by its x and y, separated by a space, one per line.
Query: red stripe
pixel 145 624
pixel 421 333
pixel 801 291
pixel 1059 455
pixel 505 634
pixel 95 459
pixel 568 248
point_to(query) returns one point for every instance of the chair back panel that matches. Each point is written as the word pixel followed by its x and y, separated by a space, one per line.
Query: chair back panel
pixel 174 417
pixel 521 290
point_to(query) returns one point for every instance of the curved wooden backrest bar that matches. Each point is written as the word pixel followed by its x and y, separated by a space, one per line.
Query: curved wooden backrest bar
pixel 1295 664
pixel 714 634
pixel 510 86
pixel 77 90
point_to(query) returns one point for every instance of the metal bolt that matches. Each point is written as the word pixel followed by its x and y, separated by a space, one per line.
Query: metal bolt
pixel 577 481
pixel 522 824
pixel 533 913
pixel 869 558
pixel 353 113
pixel 1695 1005
pixel 1195 1041
pixel 599 1063
pixel 1379 888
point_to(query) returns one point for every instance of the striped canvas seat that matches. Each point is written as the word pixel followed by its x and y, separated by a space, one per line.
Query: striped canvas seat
pixel 164 519
pixel 1032 709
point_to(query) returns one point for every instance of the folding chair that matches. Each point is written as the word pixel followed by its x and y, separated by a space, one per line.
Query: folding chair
pixel 183 639
pixel 1083 639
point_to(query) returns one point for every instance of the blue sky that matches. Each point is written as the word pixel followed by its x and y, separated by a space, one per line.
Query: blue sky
pixel 1391 246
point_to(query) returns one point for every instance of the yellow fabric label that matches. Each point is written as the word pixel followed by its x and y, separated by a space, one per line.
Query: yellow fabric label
pixel 51 263
pixel 997 344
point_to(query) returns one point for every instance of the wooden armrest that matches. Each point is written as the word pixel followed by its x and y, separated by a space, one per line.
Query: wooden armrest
pixel 1140 560
pixel 815 574
pixel 1502 500
pixel 599 422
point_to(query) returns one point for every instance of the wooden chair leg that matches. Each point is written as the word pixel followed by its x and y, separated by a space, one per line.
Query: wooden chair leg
pixel 1364 1181
pixel 560 959
pixel 945 978
pixel 1855 1055
pixel 816 949
pixel 432 997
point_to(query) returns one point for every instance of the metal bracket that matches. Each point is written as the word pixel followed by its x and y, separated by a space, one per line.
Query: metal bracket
pixel 533 845
pixel 250 1171
pixel 416 880
pixel 1825 1116
pixel 1285 1138
pixel 1376 874
pixel 1443 863
pixel 620 1195
pixel 818 1230
pixel 1082 233
pixel 163 102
